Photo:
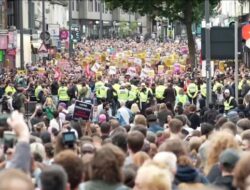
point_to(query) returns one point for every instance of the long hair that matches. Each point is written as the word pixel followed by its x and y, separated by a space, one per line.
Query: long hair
pixel 107 163
pixel 219 142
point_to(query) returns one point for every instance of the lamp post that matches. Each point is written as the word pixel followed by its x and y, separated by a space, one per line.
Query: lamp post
pixel 208 55
pixel 70 30
pixel 101 21
pixel 21 34
pixel 236 64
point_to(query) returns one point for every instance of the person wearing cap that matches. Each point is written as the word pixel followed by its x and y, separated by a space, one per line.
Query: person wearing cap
pixel 192 92
pixel 229 101
pixel 228 159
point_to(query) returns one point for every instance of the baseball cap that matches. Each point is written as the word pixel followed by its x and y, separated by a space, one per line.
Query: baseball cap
pixel 227 91
pixel 229 158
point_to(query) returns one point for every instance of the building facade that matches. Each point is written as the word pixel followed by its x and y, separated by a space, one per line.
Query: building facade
pixel 87 14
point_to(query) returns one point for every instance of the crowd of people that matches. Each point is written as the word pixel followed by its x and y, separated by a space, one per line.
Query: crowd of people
pixel 145 131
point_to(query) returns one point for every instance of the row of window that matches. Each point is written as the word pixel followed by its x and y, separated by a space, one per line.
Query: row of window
pixel 95 6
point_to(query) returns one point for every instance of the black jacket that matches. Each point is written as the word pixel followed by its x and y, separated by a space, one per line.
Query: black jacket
pixel 225 182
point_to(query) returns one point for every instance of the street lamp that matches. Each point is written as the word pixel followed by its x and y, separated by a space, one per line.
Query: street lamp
pixel 208 55
pixel 236 64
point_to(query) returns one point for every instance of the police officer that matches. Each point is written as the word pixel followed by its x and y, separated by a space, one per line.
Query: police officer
pixel 203 90
pixel 181 97
pixel 10 89
pixel 123 94
pixel 144 97
pixel 101 93
pixel 192 92
pixel 63 94
pixel 98 85
pixel 160 93
pixel 38 89
pixel 229 102
pixel 132 94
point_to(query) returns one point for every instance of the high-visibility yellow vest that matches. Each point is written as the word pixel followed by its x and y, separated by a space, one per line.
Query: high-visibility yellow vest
pixel 102 92
pixel 177 89
pixel 216 86
pixel 134 89
pixel 37 91
pixel 63 94
pixel 116 87
pixel 123 95
pixel 182 98
pixel 132 95
pixel 227 105
pixel 143 96
pixel 240 84
pixel 159 92
pixel 10 89
pixel 192 90
pixel 98 85
pixel 79 88
pixel 204 90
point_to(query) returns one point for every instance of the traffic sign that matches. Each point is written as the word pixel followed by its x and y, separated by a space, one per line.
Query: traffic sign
pixel 64 34
pixel 45 36
pixel 246 32
pixel 42 49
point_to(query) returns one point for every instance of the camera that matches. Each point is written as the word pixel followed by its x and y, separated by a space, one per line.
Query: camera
pixel 69 138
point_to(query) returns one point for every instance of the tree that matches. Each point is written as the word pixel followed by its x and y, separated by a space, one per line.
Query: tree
pixel 186 11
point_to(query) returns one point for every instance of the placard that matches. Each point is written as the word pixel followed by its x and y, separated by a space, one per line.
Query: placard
pixel 112 70
pixel 82 110
pixel 95 67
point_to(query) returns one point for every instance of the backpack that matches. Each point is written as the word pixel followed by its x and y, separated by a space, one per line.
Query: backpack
pixel 16 102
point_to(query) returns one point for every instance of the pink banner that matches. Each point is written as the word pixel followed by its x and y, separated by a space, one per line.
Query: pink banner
pixel 3 42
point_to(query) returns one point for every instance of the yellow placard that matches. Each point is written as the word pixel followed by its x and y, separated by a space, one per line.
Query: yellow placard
pixel 21 72
pixel 151 73
pixel 98 73
pixel 41 71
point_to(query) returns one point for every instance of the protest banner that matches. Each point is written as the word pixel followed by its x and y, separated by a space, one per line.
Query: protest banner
pixel 82 110
pixel 95 67
pixel 112 70
pixel 160 70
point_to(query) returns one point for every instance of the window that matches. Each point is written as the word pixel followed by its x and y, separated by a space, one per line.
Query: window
pixel 77 5
pixel 73 4
pixel 90 5
pixel 96 6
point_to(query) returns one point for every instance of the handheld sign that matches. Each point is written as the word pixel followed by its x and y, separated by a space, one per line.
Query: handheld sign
pixel 82 110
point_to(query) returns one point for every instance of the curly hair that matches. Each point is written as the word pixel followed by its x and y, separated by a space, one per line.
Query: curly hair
pixel 219 142
pixel 107 163
pixel 73 166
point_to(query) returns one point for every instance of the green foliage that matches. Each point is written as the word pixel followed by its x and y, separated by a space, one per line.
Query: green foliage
pixel 183 10
pixel 126 29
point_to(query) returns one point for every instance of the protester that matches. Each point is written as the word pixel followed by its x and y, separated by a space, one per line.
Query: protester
pixel 97 119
